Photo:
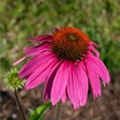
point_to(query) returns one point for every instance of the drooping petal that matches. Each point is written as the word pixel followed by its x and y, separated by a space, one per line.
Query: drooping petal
pixel 34 60
pixel 49 81
pixel 94 79
pixel 60 82
pixel 18 61
pixel 73 88
pixel 94 50
pixel 48 85
pixel 33 65
pixel 83 83
pixel 36 50
pixel 94 44
pixel 40 74
pixel 41 38
pixel 99 68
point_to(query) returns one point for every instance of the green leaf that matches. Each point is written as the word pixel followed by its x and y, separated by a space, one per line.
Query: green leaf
pixel 40 111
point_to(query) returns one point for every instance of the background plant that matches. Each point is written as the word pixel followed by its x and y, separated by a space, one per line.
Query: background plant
pixel 22 19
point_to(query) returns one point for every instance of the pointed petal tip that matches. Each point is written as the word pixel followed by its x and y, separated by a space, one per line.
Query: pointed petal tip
pixel 76 106
pixel 63 101
pixel 106 82
pixel 100 68
pixel 53 102
pixel 82 104
pixel 96 96
pixel 94 44
pixel 28 87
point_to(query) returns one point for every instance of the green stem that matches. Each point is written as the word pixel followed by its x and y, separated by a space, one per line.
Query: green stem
pixel 19 105
pixel 58 112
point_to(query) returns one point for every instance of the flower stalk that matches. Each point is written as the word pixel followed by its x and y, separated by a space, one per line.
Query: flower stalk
pixel 19 105
pixel 58 112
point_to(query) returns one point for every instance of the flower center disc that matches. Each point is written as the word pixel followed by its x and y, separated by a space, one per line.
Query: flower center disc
pixel 70 43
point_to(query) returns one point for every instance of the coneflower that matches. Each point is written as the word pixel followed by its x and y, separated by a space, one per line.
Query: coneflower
pixel 67 62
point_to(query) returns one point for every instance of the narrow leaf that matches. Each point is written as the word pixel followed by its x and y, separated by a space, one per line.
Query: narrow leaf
pixel 39 112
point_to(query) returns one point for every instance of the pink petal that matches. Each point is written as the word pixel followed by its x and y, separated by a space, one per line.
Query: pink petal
pixel 64 97
pixel 83 84
pixel 94 79
pixel 49 81
pixel 34 60
pixel 99 68
pixel 36 50
pixel 60 82
pixel 28 68
pixel 94 44
pixel 41 38
pixel 19 61
pixel 73 88
pixel 40 74
pixel 95 51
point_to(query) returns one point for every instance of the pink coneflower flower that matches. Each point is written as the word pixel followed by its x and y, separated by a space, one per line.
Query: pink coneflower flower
pixel 67 62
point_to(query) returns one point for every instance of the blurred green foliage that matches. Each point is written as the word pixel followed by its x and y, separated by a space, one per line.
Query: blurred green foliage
pixel 39 112
pixel 21 19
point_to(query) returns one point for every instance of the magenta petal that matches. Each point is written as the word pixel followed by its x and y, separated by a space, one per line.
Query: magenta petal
pixel 64 97
pixel 94 79
pixel 77 87
pixel 35 59
pixel 36 50
pixel 49 81
pixel 73 88
pixel 95 51
pixel 41 38
pixel 18 61
pixel 40 60
pixel 94 44
pixel 60 82
pixel 83 84
pixel 99 68
pixel 40 74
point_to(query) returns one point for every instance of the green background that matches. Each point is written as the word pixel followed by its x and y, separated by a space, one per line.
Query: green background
pixel 21 19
